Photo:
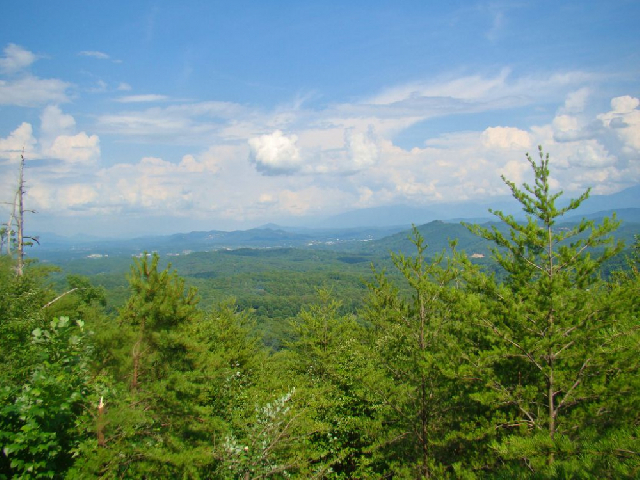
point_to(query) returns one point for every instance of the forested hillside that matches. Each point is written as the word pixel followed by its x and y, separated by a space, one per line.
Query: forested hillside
pixel 520 362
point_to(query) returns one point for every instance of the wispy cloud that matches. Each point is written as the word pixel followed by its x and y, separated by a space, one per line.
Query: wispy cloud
pixel 30 91
pixel 142 98
pixel 94 54
pixel 497 23
pixel 25 89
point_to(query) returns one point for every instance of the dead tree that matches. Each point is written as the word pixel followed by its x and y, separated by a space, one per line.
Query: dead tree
pixel 17 215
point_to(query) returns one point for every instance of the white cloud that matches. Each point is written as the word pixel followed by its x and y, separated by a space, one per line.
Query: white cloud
pixel 624 121
pixel 576 100
pixel 21 138
pixel 467 165
pixel 194 123
pixel 266 198
pixel 148 184
pixel 40 196
pixel 308 200
pixel 275 154
pixel 470 87
pixel 565 123
pixel 506 137
pixel 142 98
pixel 362 148
pixel 124 87
pixel 514 170
pixel 53 122
pixel 15 59
pixel 182 188
pixel 497 23
pixel 26 90
pixel 624 104
pixel 100 87
pixel 208 162
pixel 75 195
pixel 30 91
pixel 164 187
pixel 94 54
pixel 591 155
pixel 228 146
pixel 75 149
pixel 477 92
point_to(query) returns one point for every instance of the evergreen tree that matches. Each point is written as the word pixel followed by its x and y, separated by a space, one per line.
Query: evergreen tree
pixel 149 413
pixel 327 358
pixel 418 357
pixel 555 332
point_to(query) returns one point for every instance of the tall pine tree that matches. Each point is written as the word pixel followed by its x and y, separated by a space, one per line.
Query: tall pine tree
pixel 555 331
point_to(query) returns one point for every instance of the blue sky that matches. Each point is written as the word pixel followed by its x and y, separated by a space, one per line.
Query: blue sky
pixel 156 117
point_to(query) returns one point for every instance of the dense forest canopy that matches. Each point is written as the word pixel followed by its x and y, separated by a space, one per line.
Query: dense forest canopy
pixel 521 363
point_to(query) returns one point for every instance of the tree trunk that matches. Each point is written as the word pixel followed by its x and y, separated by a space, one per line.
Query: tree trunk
pixel 20 218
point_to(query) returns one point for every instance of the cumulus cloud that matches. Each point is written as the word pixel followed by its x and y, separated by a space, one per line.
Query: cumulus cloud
pixel 15 59
pixel 567 128
pixel 468 165
pixel 275 153
pixel 576 100
pixel 76 195
pixel 362 148
pixel 565 123
pixel 514 170
pixel 624 122
pixel 591 155
pixel 21 138
pixel 624 104
pixel 53 122
pixel 506 137
pixel 208 162
pixel 164 187
pixel 76 149
pixel 151 183
pixel 308 200
pixel 266 199
pixel 59 140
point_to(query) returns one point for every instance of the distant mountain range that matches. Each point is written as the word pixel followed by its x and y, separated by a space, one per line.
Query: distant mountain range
pixel 478 212
pixel 374 230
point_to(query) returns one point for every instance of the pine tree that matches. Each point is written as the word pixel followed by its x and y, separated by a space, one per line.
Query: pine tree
pixel 418 356
pixel 326 356
pixel 148 394
pixel 555 330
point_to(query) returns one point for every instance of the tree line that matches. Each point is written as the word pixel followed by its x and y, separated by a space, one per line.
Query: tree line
pixel 528 374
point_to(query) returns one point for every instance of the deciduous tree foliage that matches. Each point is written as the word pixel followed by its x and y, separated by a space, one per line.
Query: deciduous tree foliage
pixel 43 382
